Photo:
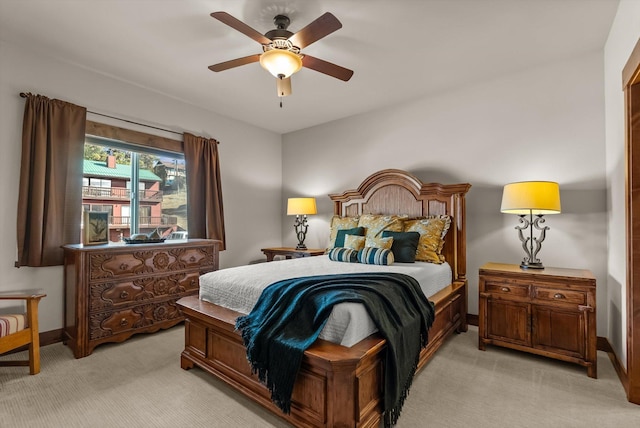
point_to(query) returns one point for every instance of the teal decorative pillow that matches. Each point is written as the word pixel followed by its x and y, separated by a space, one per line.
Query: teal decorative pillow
pixel 404 246
pixel 340 234
pixel 375 256
pixel 339 254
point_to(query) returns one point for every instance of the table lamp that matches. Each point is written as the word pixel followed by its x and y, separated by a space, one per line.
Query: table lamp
pixel 301 207
pixel 526 199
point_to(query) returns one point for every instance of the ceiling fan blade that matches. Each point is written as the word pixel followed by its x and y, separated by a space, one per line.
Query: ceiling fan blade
pixel 238 25
pixel 326 67
pixel 235 63
pixel 318 29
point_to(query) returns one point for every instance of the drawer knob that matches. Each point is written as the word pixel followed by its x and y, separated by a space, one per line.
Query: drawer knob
pixel 505 289
pixel 124 295
pixel 124 322
pixel 558 296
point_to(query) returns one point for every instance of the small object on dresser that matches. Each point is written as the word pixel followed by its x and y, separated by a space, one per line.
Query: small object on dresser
pixel 153 237
pixel 95 227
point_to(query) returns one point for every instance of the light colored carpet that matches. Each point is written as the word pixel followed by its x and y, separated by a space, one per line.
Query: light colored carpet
pixel 140 383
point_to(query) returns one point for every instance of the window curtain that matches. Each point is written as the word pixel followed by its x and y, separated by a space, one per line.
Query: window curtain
pixel 204 188
pixel 50 192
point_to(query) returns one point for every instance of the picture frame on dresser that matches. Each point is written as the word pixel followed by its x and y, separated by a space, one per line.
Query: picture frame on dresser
pixel 95 227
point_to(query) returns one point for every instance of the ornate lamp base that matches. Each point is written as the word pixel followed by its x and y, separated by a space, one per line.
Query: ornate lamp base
pixel 531 265
pixel 531 261
pixel 300 226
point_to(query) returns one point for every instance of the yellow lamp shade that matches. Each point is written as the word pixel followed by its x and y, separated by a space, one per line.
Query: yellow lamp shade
pixel 301 206
pixel 531 197
pixel 280 62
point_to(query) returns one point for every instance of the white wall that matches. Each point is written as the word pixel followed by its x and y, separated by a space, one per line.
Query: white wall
pixel 545 123
pixel 250 160
pixel 623 36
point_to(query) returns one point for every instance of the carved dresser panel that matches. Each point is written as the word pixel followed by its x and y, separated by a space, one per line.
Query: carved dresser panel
pixel 117 290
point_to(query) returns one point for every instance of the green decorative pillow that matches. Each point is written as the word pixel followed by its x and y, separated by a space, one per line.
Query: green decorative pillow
pixel 375 256
pixel 432 231
pixel 405 245
pixel 354 241
pixel 382 242
pixel 375 224
pixel 348 255
pixel 358 231
pixel 338 223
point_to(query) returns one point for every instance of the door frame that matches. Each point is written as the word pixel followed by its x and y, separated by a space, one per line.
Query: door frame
pixel 631 87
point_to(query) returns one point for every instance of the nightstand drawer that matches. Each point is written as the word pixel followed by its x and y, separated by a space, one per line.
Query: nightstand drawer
pixel 562 296
pixel 507 289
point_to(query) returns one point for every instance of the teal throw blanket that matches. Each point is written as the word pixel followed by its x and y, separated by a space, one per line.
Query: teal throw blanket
pixel 290 314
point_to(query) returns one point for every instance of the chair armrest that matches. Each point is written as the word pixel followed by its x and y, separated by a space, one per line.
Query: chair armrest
pixel 22 294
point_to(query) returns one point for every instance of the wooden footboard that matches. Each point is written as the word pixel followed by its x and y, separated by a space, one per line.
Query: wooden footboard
pixel 336 386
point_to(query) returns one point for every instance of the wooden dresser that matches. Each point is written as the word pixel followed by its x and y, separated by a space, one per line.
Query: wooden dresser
pixel 550 312
pixel 114 291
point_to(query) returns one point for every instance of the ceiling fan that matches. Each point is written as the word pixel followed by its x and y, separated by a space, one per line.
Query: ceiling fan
pixel 281 54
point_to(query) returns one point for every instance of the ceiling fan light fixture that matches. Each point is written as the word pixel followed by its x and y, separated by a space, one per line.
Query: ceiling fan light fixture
pixel 280 62
pixel 283 86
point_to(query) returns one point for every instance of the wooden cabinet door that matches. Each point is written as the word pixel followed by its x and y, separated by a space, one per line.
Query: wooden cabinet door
pixel 559 330
pixel 508 321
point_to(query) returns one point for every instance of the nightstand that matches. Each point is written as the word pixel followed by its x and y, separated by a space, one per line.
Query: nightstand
pixel 549 312
pixel 291 252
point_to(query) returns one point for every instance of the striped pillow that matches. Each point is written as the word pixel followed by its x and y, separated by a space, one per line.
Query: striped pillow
pixel 375 256
pixel 10 324
pixel 340 254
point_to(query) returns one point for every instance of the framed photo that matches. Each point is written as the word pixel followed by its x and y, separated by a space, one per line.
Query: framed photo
pixel 96 227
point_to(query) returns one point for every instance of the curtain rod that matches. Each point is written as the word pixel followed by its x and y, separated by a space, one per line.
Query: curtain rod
pixel 23 95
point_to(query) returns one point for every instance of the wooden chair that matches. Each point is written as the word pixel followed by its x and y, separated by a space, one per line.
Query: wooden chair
pixel 18 330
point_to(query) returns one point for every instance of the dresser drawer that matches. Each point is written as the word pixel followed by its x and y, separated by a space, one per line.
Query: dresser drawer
pixel 117 294
pixel 146 262
pixel 107 324
pixel 507 289
pixel 105 265
pixel 544 294
pixel 194 258
pixel 110 323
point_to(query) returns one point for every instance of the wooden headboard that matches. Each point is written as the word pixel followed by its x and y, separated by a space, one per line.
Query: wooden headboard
pixel 392 191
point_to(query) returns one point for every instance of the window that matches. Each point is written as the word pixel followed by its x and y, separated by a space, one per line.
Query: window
pixel 113 168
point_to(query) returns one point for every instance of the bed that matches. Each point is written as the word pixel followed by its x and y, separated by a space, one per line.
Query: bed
pixel 340 386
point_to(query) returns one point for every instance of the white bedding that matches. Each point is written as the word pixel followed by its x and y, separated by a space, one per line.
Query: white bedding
pixel 240 287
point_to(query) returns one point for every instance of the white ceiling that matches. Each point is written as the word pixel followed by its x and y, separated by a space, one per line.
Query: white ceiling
pixel 399 50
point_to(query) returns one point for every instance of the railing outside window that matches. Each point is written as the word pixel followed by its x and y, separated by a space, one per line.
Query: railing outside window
pixel 145 221
pixel 119 193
